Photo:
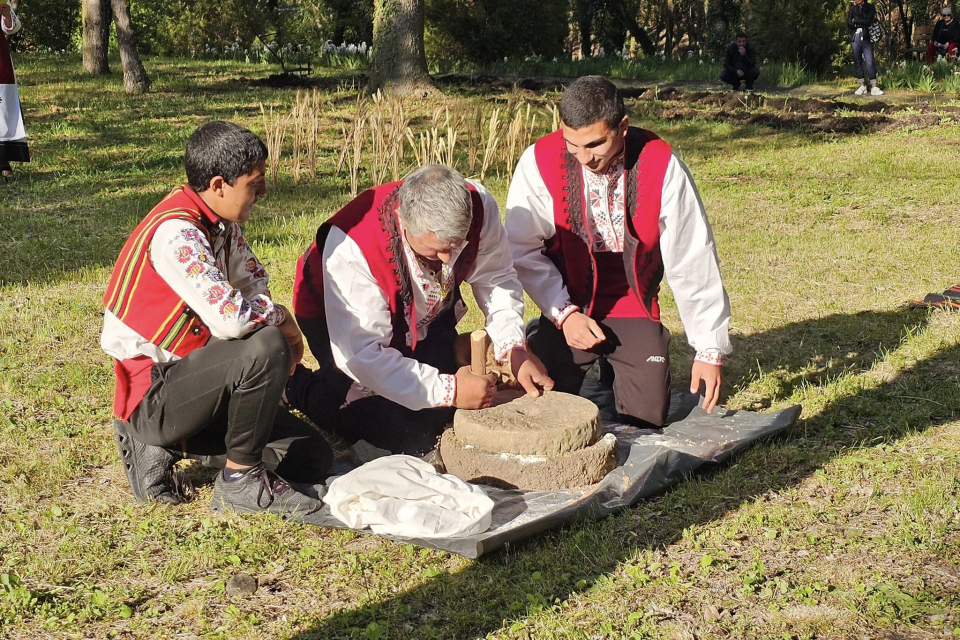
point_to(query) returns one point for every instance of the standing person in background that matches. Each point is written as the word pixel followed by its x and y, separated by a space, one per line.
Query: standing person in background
pixel 740 64
pixel 946 34
pixel 860 16
pixel 13 137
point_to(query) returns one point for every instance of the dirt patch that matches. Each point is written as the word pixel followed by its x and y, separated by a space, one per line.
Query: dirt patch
pixel 487 82
pixel 813 115
pixel 293 81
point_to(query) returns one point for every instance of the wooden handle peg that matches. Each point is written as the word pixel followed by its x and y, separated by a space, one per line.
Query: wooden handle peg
pixel 478 352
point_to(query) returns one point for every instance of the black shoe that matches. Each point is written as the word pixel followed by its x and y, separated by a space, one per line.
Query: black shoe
pixel 149 469
pixel 749 87
pixel 259 489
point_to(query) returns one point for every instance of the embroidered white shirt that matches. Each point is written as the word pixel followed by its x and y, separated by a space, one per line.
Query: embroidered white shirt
pixel 359 321
pixel 690 261
pixel 606 205
pixel 223 283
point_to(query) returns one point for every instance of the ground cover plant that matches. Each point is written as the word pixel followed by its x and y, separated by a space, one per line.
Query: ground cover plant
pixel 847 526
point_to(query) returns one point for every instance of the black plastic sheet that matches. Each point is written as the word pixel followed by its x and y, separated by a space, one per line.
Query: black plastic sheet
pixel 649 462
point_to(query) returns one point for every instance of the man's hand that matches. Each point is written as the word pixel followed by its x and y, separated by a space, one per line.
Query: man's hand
pixel 294 338
pixel 530 372
pixel 582 332
pixel 473 391
pixel 743 50
pixel 739 73
pixel 709 374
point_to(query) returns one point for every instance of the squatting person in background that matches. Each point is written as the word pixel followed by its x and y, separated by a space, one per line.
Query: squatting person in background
pixel 740 64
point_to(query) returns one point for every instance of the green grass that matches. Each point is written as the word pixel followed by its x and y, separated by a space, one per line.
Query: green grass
pixel 847 526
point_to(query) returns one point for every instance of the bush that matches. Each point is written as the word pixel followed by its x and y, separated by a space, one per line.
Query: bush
pixel 487 30
pixel 192 27
pixel 48 25
pixel 808 32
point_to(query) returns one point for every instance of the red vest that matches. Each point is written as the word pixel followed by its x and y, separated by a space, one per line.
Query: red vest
pixel 645 164
pixel 371 221
pixel 143 300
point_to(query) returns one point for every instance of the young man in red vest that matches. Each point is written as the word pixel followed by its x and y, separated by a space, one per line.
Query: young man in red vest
pixel 202 350
pixel 597 214
pixel 378 298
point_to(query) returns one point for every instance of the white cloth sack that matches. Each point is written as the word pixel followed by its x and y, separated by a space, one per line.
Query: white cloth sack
pixel 405 496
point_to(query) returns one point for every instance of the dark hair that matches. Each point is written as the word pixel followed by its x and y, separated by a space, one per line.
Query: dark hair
pixel 221 148
pixel 591 99
pixel 741 35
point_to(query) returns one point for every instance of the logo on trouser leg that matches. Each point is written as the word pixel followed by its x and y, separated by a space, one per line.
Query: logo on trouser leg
pixel 657 359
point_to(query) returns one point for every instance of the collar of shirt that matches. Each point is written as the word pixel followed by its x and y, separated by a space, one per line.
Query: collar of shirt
pixel 610 176
pixel 425 279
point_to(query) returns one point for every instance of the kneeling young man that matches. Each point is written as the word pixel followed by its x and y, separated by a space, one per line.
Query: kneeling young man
pixel 597 214
pixel 202 351
pixel 378 298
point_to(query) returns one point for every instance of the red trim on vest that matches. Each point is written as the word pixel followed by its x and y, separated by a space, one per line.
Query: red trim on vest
pixel 143 300
pixel 371 221
pixel 646 158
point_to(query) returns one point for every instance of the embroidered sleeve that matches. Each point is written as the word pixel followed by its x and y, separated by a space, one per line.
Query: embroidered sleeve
pixel 246 272
pixel 710 356
pixel 565 313
pixel 361 332
pixel 529 225
pixel 690 262
pixel 183 257
pixel 494 281
pixel 449 383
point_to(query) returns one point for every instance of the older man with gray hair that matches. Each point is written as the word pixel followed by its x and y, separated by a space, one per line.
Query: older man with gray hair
pixel 377 296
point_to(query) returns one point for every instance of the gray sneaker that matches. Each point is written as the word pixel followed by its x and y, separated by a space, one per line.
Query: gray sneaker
pixel 149 469
pixel 261 490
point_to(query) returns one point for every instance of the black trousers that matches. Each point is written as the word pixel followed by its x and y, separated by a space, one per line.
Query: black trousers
pixel 749 76
pixel 637 351
pixel 222 402
pixel 383 423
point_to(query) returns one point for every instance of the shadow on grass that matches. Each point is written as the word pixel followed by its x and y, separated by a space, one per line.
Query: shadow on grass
pixel 532 576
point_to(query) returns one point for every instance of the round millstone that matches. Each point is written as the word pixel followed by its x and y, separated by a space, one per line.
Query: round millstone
pixel 553 424
pixel 580 468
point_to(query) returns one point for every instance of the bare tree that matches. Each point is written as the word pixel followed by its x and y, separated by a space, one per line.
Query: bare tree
pixel 134 75
pixel 96 36
pixel 399 64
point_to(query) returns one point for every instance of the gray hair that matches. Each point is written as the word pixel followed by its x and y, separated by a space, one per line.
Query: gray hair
pixel 436 198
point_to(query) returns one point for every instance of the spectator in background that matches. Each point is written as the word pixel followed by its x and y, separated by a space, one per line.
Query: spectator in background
pixel 946 34
pixel 860 16
pixel 13 137
pixel 740 64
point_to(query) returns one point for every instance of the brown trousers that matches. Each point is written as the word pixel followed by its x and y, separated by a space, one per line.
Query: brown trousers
pixel 637 353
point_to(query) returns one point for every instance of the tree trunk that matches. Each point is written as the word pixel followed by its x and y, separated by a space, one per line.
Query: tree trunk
pixel 669 22
pixel 399 64
pixel 134 75
pixel 646 44
pixel 585 27
pixel 96 38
